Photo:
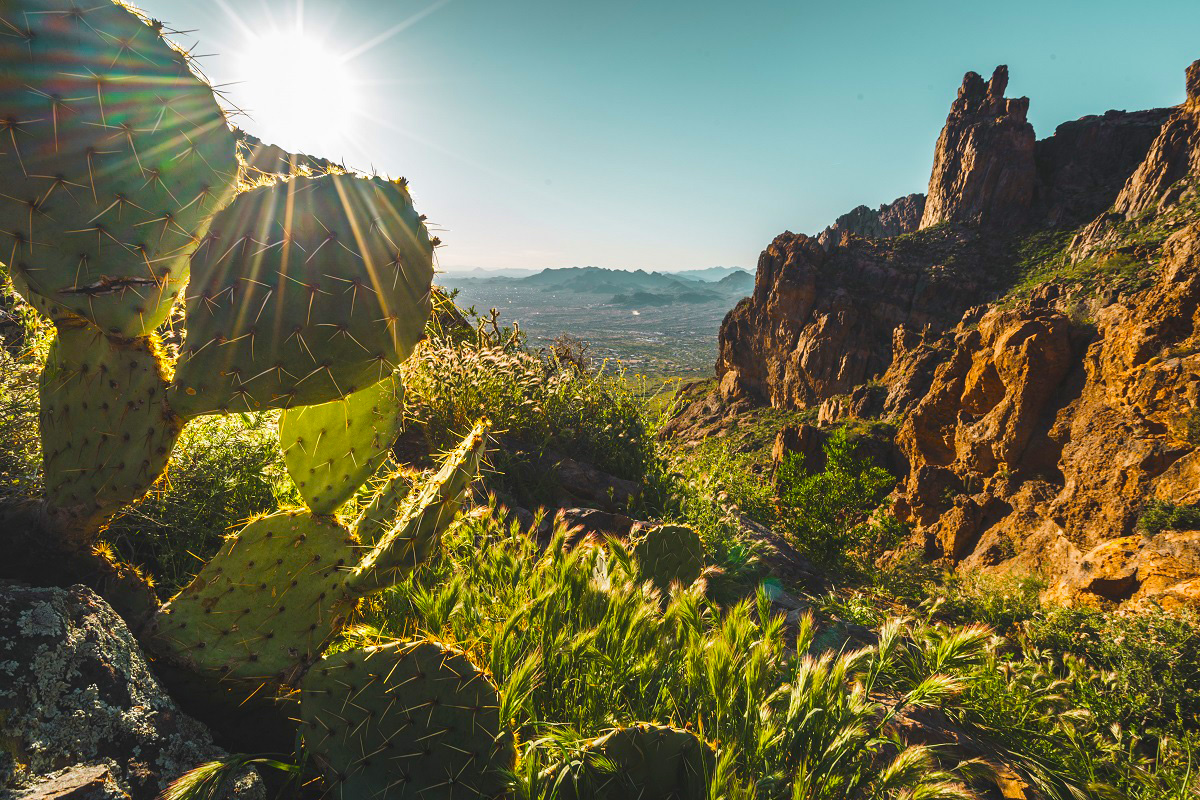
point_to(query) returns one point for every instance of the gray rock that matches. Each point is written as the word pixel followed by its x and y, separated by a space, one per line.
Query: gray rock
pixel 76 692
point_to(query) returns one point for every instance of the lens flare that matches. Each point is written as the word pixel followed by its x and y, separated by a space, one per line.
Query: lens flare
pixel 299 92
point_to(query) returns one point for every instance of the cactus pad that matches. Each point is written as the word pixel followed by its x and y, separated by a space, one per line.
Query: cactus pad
pixel 113 157
pixel 106 431
pixel 303 292
pixel 652 762
pixel 263 608
pixel 669 553
pixel 333 448
pixel 425 514
pixel 405 720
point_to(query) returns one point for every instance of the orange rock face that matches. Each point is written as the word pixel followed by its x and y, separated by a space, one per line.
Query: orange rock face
pixel 1035 433
pixel 1041 441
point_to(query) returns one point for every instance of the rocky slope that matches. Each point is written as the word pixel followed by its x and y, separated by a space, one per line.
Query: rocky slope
pixel 1037 337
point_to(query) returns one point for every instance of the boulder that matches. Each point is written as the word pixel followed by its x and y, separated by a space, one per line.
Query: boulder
pixel 81 714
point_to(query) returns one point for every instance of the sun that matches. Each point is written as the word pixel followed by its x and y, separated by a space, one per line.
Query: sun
pixel 299 92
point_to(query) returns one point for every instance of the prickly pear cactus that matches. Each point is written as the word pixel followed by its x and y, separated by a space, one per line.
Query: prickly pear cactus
pixel 652 762
pixel 267 604
pixel 669 553
pixel 106 430
pixel 303 292
pixel 381 513
pixel 113 157
pixel 406 720
pixel 333 448
pixel 425 514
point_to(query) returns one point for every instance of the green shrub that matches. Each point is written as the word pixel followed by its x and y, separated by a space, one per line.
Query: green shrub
pixel 1160 516
pixel 541 409
pixel 829 513
pixel 1154 658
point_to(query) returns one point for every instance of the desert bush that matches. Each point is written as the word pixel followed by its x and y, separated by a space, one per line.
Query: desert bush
pixel 829 513
pixel 542 409
pixel 1161 516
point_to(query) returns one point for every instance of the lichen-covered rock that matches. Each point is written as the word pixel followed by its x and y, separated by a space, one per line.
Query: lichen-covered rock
pixel 75 690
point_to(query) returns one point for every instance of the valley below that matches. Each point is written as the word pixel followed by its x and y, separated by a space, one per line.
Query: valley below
pixel 653 324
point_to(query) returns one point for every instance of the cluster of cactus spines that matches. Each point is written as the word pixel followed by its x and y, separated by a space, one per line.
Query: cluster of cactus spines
pixel 114 156
pixel 331 449
pixel 106 430
pixel 303 292
pixel 644 760
pixel 380 514
pixel 406 720
pixel 667 554
pixel 268 603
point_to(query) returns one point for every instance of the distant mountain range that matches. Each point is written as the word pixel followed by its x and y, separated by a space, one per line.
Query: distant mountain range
pixel 625 288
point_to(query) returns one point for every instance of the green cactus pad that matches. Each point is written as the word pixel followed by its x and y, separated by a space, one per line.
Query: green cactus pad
pixel 106 430
pixel 425 515
pixel 669 553
pixel 333 448
pixel 303 292
pixel 380 515
pixel 405 720
pixel 652 762
pixel 264 607
pixel 113 157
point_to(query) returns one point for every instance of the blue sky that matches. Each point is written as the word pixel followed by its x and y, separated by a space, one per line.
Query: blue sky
pixel 662 135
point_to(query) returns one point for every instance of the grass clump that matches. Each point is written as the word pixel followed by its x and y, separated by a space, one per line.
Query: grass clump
pixel 542 409
pixel 578 646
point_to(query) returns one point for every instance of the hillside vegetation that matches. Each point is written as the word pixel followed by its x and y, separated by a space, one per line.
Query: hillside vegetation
pixel 900 682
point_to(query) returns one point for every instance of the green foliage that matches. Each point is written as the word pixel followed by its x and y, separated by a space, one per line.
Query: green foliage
pixel 1161 516
pixel 1151 658
pixel 541 410
pixel 828 513
pixel 577 646
pixel 266 606
pixel 20 446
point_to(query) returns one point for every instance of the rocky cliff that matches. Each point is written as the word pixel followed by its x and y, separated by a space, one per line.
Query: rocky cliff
pixel 983 167
pixel 1038 339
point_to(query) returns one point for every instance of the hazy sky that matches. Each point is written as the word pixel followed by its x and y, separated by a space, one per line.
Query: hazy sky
pixel 661 134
